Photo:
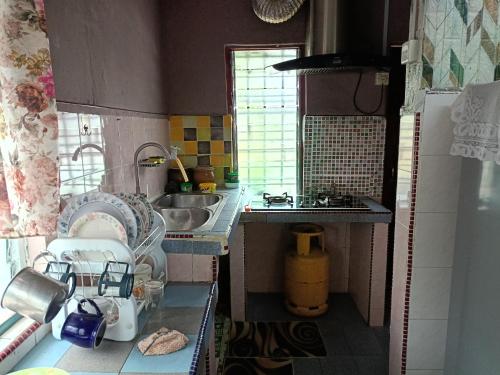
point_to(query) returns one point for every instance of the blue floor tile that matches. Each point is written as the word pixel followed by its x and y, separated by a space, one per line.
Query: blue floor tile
pixel 45 354
pixel 178 295
pixel 178 362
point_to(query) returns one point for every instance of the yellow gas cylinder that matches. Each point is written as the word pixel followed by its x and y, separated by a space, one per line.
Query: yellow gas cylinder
pixel 307 271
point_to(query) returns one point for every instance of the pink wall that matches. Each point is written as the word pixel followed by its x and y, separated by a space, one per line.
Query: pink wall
pixel 195 33
pixel 107 53
pixel 168 56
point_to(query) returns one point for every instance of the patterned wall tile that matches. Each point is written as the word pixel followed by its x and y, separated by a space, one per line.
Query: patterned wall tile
pixel 460 44
pixel 347 151
pixel 204 141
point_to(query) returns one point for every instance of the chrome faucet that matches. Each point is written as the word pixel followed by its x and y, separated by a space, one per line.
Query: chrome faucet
pixel 136 161
pixel 83 147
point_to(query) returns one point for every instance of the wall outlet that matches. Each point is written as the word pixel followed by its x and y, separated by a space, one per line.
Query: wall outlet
pixel 381 79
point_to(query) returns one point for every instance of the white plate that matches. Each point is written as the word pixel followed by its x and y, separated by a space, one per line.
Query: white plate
pixel 100 202
pixel 140 213
pixel 149 210
pixel 98 225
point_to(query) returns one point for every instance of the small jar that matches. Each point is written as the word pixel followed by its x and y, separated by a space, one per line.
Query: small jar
pixel 203 174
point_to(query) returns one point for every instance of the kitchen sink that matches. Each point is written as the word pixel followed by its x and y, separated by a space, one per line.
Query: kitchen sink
pixel 190 212
pixel 185 219
pixel 188 200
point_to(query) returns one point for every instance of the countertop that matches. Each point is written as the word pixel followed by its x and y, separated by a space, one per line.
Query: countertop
pixel 376 214
pixel 214 241
pixel 187 307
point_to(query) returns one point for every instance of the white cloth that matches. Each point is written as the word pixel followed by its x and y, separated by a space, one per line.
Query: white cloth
pixel 476 117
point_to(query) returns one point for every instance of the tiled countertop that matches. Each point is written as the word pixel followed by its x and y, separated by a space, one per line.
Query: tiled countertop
pixel 376 214
pixel 215 241
pixel 187 307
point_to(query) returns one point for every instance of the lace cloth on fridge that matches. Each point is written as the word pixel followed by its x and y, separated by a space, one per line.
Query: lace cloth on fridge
pixel 475 115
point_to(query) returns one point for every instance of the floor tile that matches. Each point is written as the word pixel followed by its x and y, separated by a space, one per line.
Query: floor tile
pixel 383 337
pixel 339 365
pixel 362 341
pixel 307 366
pixel 334 338
pixel 268 366
pixel 109 357
pixel 45 354
pixel 183 319
pixel 178 362
pixel 372 365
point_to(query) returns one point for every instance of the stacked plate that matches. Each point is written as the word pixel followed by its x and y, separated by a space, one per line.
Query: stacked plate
pixel 123 216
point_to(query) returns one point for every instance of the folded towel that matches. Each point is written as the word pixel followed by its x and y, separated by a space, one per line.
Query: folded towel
pixel 163 341
pixel 476 116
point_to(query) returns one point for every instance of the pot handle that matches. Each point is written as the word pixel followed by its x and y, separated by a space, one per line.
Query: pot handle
pixel 72 277
pixel 43 254
pixel 81 310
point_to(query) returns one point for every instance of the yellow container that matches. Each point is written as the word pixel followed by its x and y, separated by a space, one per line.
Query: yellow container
pixel 208 187
pixel 305 233
pixel 307 273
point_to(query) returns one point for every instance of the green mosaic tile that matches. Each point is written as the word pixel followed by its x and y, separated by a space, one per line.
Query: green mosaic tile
pixel 461 6
pixel 456 69
pixel 427 72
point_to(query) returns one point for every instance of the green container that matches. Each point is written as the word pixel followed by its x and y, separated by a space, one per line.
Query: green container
pixel 186 187
pixel 232 177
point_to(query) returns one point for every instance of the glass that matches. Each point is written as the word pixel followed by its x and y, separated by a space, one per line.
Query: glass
pixel 266 116
pixel 154 294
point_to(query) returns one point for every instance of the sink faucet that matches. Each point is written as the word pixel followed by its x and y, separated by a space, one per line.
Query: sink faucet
pixel 136 161
pixel 83 147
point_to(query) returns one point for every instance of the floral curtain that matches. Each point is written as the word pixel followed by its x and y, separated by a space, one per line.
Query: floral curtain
pixel 29 164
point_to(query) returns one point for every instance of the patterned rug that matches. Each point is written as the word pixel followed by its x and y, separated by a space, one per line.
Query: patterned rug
pixel 275 340
pixel 222 326
pixel 257 366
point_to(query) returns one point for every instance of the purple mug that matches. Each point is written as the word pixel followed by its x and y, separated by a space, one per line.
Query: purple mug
pixel 84 329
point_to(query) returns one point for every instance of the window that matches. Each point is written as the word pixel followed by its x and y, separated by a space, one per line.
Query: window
pixel 266 112
pixel 13 257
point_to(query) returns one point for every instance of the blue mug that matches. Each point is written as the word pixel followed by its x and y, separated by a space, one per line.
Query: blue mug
pixel 85 329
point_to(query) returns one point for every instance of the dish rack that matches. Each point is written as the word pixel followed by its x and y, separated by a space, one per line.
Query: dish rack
pixel 88 258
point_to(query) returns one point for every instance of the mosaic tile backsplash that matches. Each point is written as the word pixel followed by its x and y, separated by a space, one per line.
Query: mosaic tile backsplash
pixel 204 141
pixel 347 151
pixel 460 44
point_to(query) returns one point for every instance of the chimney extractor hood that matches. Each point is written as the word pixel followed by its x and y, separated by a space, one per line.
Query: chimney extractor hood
pixel 325 43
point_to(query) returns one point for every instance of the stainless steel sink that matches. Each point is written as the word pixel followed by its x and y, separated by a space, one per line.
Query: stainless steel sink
pixel 186 200
pixel 185 219
pixel 190 212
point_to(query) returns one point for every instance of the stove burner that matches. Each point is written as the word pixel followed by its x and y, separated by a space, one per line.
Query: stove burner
pixel 277 199
pixel 335 200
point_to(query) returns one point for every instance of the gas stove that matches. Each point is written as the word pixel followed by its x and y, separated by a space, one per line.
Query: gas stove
pixel 277 200
pixel 322 201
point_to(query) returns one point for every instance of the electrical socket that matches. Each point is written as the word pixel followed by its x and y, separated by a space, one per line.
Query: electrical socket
pixel 381 79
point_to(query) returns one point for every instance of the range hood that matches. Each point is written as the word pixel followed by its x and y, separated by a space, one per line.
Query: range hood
pixel 325 43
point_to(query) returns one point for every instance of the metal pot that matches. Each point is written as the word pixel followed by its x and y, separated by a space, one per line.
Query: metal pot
pixel 35 295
